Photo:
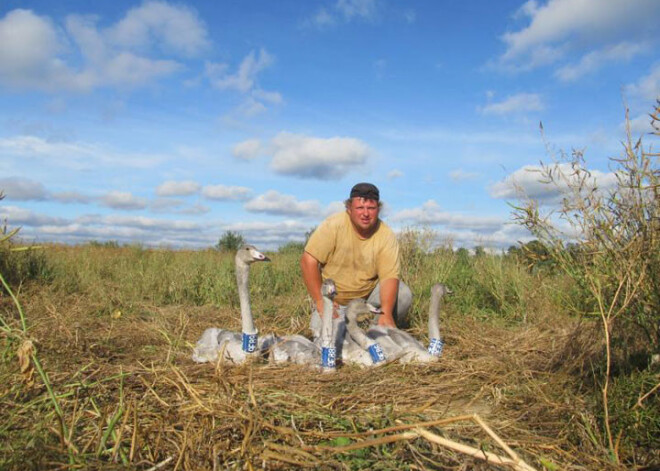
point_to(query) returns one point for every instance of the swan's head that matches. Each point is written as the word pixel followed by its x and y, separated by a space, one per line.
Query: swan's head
pixel 359 309
pixel 328 289
pixel 249 254
pixel 440 290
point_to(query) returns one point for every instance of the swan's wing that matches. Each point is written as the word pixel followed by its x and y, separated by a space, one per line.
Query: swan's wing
pixel 405 340
pixel 206 348
pixel 296 349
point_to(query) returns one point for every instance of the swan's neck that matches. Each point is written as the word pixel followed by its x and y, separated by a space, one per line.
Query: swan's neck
pixel 242 274
pixel 434 308
pixel 326 323
pixel 356 333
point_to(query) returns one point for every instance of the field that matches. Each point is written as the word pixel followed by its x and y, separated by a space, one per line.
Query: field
pixel 96 371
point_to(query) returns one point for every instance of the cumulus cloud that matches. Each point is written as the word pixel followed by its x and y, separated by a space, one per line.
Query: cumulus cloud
pixel 173 28
pixel 224 192
pixel 559 28
pixel 22 189
pixel 178 188
pixel 273 202
pixel 528 182
pixel 313 157
pixel 23 217
pixel 431 213
pixel 247 150
pixel 36 53
pixel 123 200
pixel 520 103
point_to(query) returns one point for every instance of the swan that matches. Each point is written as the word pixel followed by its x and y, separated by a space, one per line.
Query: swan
pixel 360 349
pixel 436 344
pixel 301 350
pixel 236 347
pixel 412 349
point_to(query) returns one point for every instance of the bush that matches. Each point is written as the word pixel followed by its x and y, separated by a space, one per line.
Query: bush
pixel 230 242
pixel 610 247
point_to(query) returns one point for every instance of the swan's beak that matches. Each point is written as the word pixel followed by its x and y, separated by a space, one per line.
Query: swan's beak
pixel 259 257
pixel 374 310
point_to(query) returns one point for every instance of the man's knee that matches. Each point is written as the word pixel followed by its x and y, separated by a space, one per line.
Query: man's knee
pixel 404 298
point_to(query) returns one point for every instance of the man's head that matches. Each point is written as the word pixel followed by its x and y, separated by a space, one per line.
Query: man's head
pixel 363 207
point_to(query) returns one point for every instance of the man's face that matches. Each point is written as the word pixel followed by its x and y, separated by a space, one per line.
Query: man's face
pixel 363 214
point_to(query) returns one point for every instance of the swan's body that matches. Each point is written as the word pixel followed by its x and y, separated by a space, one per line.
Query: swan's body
pixel 301 350
pixel 412 349
pixel 358 348
pixel 236 347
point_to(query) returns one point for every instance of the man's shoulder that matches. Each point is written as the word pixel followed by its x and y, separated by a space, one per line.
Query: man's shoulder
pixel 337 219
pixel 384 230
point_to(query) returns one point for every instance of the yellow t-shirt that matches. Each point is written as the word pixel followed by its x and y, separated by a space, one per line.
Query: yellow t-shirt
pixel 355 264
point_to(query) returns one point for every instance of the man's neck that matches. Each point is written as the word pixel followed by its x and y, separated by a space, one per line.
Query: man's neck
pixel 365 234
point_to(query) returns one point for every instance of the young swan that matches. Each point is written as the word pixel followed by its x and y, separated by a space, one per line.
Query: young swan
pixel 360 349
pixel 235 347
pixel 412 349
pixel 300 350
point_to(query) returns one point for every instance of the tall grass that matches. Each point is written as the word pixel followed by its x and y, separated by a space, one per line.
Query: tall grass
pixel 607 241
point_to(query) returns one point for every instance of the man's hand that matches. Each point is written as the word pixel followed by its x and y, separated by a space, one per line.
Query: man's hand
pixel 386 320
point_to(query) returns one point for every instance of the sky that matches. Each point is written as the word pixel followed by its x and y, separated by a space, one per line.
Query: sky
pixel 167 124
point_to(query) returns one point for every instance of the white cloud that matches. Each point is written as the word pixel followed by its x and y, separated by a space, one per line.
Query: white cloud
pixel 313 157
pixel 36 53
pixel 461 175
pixel 520 103
pixel 274 98
pixel 22 189
pixel 594 60
pixel 123 200
pixel 647 88
pixel 392 174
pixel 245 81
pixel 245 77
pixel 223 192
pixel 432 214
pixel 175 28
pixel 562 26
pixel 29 45
pixel 528 181
pixel 75 155
pixel 273 202
pixel 639 125
pixel 23 217
pixel 178 188
pixel 68 197
pixel 348 10
pixel 247 150
pixel 356 8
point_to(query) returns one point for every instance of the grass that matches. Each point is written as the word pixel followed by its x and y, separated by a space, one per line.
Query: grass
pixel 113 329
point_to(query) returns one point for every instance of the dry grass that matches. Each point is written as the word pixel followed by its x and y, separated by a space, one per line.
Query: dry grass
pixel 131 397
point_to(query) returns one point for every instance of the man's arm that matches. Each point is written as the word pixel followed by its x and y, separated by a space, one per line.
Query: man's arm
pixel 388 292
pixel 312 277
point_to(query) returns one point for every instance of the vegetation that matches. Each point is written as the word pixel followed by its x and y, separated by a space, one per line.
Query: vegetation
pixel 230 242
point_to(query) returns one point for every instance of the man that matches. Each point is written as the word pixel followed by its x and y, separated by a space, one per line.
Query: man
pixel 361 254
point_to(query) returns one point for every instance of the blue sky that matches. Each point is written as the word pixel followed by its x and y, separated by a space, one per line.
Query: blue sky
pixel 169 123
